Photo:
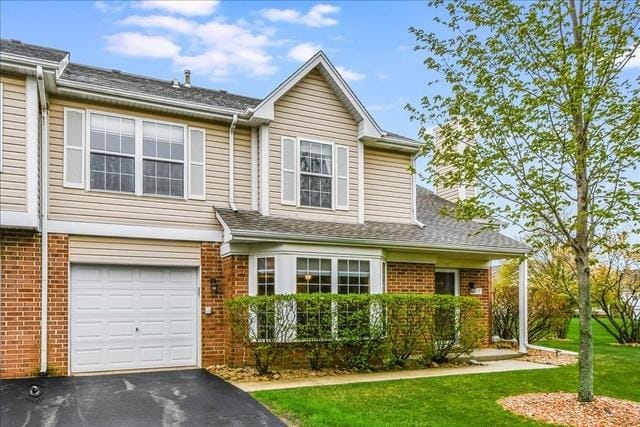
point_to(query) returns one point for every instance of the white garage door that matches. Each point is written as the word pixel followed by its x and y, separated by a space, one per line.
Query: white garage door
pixel 126 317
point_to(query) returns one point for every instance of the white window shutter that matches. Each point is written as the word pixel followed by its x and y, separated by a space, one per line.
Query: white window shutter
pixel 197 164
pixel 288 167
pixel 342 177
pixel 74 146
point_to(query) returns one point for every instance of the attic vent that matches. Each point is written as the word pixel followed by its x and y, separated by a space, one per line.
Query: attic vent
pixel 223 91
pixel 115 71
pixel 176 83
pixel 16 41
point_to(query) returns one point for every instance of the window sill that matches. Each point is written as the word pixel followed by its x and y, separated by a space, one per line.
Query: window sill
pixel 126 193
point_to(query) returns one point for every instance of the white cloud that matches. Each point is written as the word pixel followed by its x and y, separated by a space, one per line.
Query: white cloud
pixel 315 17
pixel 109 6
pixel 303 51
pixel 350 75
pixel 634 62
pixel 183 7
pixel 169 23
pixel 392 105
pixel 216 48
pixel 141 45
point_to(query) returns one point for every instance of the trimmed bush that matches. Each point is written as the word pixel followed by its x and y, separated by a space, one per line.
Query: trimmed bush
pixel 360 331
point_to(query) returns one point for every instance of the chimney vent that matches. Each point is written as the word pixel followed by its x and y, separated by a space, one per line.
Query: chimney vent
pixel 176 84
pixel 187 78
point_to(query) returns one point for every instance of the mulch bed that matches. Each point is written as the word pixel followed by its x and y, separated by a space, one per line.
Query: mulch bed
pixel 249 374
pixel 564 409
pixel 549 358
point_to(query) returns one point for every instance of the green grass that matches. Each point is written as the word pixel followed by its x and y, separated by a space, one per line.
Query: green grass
pixel 456 400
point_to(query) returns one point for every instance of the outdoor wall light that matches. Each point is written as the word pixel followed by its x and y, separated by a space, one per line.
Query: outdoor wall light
pixel 215 286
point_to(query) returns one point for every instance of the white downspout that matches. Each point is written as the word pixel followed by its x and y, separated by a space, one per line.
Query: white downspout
pixel 232 128
pixel 414 202
pixel 523 321
pixel 44 209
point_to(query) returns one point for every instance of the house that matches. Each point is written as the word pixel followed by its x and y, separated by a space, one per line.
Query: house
pixel 132 208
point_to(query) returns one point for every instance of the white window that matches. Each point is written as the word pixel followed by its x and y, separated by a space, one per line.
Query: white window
pixel 353 277
pixel 112 153
pixel 266 284
pixel 314 174
pixel 163 159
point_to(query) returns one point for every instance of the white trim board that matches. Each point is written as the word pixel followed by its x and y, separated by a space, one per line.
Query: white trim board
pixel 138 231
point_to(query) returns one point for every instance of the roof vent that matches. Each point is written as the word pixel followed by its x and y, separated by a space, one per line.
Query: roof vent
pixel 222 91
pixel 113 70
pixel 187 78
pixel 16 41
pixel 176 84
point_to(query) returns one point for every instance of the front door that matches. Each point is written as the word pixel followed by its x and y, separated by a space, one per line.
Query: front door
pixel 446 319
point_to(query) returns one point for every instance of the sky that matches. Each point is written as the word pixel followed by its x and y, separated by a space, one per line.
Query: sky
pixel 243 47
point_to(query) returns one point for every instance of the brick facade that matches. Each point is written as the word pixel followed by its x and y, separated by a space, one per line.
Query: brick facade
pixel 406 277
pixel 58 305
pixel 235 283
pixel 481 278
pixel 214 337
pixel 20 287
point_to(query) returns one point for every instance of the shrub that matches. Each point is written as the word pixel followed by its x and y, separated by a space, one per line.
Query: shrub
pixel 362 330
pixel 406 320
pixel 454 327
pixel 265 325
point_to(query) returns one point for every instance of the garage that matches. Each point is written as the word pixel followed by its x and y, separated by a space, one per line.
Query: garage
pixel 132 317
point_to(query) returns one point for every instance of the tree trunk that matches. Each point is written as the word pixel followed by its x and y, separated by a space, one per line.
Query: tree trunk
pixel 585 387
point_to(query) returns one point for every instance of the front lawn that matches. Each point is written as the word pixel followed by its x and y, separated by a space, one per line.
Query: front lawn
pixel 456 400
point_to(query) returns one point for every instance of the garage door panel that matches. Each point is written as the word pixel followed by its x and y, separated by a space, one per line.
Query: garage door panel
pixel 133 317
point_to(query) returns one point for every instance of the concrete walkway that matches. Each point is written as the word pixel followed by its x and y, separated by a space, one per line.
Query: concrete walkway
pixel 486 367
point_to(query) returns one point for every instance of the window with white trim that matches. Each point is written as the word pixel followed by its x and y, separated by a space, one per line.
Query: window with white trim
pixel 112 153
pixel 163 159
pixel 353 277
pixel 266 283
pixel 316 174
pixel 313 275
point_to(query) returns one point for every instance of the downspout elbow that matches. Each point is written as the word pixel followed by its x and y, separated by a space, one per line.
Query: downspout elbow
pixel 232 128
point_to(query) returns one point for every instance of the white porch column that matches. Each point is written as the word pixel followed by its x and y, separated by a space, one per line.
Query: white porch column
pixel 523 321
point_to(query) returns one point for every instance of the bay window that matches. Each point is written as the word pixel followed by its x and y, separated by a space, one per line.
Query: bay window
pixel 265 280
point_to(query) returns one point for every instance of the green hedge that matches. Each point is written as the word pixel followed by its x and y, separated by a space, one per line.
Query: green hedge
pixel 356 331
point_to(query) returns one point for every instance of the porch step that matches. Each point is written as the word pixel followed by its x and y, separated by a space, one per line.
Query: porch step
pixel 490 355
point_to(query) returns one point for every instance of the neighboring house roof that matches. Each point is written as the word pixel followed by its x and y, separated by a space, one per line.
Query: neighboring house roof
pixel 439 232
pixel 114 79
pixel 16 47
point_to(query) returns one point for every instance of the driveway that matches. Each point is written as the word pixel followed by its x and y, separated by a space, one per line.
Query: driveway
pixel 176 398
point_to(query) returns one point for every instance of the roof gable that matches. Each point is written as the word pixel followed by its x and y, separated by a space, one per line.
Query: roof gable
pixel 367 127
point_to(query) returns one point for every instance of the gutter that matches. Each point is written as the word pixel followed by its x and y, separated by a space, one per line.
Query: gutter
pixel 44 233
pixel 232 128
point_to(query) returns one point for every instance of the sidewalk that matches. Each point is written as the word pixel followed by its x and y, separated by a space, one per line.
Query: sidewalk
pixel 494 366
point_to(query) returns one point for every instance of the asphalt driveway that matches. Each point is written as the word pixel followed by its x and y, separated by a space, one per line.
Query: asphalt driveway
pixel 175 398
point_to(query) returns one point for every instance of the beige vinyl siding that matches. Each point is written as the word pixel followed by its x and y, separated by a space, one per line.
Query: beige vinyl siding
pixel 387 186
pixel 70 204
pixel 312 110
pixel 13 178
pixel 115 250
pixel 242 166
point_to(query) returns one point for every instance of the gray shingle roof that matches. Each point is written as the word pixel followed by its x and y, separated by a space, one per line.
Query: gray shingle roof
pixel 114 79
pixel 439 232
pixel 16 47
pixel 401 137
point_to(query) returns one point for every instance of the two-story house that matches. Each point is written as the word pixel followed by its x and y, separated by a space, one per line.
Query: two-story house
pixel 132 208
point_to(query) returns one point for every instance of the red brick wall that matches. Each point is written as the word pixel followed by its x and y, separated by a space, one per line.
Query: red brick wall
pixel 19 303
pixel 58 309
pixel 482 280
pixel 235 283
pixel 214 335
pixel 406 277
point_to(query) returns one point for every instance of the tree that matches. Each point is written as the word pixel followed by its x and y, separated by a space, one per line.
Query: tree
pixel 546 91
pixel 616 290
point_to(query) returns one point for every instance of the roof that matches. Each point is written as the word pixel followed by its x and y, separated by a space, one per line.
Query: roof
pixel 17 47
pixel 114 79
pixel 439 232
pixel 394 135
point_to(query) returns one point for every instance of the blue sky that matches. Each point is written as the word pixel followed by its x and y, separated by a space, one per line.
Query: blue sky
pixel 243 47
